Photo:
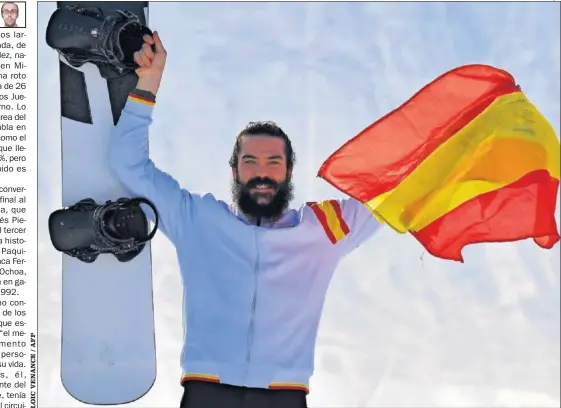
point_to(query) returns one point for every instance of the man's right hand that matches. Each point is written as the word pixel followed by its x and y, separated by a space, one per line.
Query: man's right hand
pixel 151 63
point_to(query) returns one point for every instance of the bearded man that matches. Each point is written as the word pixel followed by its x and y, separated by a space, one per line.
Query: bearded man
pixel 256 272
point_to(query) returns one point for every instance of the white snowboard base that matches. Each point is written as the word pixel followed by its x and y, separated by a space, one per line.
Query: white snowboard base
pixel 108 344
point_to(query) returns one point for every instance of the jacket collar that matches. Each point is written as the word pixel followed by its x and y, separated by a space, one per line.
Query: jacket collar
pixel 289 218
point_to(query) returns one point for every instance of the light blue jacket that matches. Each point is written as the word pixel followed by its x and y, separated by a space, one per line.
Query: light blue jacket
pixel 253 296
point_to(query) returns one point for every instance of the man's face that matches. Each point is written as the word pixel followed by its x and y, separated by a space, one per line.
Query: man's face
pixel 10 14
pixel 262 186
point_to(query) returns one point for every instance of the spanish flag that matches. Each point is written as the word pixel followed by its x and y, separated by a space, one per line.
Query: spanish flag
pixel 468 159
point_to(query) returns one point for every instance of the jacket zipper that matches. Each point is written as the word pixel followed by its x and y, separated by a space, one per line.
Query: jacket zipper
pixel 254 301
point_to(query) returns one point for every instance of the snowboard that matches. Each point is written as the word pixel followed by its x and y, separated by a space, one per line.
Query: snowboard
pixel 108 354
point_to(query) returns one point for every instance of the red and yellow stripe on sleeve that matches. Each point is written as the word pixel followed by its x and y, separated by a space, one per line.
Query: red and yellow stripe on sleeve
pixel 437 164
pixel 330 216
pixel 141 99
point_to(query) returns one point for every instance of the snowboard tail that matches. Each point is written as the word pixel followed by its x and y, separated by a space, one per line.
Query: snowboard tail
pixel 108 354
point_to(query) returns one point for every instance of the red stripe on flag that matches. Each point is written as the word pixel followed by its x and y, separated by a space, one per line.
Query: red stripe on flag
pixel 520 210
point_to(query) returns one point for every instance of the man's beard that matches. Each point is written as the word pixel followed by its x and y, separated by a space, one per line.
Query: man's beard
pixel 247 200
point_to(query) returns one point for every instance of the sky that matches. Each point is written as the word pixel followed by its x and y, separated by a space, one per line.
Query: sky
pixel 399 328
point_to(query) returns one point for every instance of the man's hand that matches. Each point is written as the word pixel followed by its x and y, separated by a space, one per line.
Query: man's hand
pixel 151 63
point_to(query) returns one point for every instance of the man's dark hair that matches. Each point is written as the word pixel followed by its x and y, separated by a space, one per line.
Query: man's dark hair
pixel 9 2
pixel 268 128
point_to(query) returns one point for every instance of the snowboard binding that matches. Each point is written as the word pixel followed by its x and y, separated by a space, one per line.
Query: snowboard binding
pixel 85 34
pixel 86 229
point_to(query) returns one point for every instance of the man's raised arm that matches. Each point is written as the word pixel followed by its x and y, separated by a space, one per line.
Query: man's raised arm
pixel 128 153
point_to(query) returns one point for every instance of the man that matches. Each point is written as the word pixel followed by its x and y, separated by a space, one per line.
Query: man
pixel 10 13
pixel 255 273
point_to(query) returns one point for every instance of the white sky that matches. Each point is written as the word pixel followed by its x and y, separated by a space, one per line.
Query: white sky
pixel 396 331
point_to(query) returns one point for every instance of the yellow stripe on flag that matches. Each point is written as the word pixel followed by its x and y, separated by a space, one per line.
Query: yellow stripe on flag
pixel 506 141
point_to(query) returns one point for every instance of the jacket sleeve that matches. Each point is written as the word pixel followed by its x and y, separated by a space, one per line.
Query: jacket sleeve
pixel 347 223
pixel 130 162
